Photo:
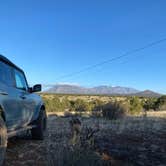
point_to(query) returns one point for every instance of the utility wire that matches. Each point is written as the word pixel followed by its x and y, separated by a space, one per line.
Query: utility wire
pixel 113 59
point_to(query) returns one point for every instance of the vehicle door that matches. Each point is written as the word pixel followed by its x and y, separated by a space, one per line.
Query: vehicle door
pixel 27 103
pixel 9 99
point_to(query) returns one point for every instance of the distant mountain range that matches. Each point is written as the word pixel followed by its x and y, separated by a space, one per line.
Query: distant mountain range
pixel 100 90
pixel 147 93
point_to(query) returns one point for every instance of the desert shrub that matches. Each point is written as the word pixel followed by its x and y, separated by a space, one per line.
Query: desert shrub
pixel 81 106
pixel 72 105
pixel 97 102
pixel 65 104
pixel 149 104
pixel 135 105
pixel 97 108
pixel 97 111
pixel 114 110
pixel 56 105
pixel 53 105
pixel 161 103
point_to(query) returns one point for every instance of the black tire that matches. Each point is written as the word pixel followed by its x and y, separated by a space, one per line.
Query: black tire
pixel 41 125
pixel 3 141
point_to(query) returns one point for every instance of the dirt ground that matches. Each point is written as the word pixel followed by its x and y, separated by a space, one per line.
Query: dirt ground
pixel 137 141
pixel 23 151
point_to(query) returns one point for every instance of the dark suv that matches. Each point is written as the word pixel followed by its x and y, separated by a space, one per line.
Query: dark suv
pixel 20 108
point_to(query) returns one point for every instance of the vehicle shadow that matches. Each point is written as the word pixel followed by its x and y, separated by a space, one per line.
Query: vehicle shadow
pixel 22 150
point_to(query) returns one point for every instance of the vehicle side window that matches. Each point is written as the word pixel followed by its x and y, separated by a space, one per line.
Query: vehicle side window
pixel 6 74
pixel 20 80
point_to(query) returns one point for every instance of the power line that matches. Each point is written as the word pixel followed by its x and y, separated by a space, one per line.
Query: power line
pixel 113 59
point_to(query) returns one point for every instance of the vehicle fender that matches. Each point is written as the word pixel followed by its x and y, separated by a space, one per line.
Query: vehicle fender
pixel 37 111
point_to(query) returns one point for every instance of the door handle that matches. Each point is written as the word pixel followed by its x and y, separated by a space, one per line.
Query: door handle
pixel 3 93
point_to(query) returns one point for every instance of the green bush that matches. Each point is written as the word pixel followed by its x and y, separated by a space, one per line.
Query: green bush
pixel 81 106
pixel 114 110
pixel 65 104
pixel 161 103
pixel 135 105
pixel 56 105
pixel 149 104
pixel 97 108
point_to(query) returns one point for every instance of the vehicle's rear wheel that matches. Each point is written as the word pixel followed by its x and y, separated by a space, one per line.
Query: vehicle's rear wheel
pixel 41 125
pixel 3 141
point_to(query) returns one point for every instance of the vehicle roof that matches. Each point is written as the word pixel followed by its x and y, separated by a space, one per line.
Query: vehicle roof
pixel 7 61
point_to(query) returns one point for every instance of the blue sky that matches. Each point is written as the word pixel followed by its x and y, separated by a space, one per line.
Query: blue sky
pixel 52 38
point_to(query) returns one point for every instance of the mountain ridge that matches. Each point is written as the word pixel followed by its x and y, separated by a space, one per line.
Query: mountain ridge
pixel 99 90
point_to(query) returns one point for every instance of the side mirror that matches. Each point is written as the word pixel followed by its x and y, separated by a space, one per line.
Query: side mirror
pixel 37 88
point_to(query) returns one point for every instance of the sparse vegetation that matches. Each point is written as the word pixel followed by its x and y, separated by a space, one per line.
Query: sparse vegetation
pixel 103 106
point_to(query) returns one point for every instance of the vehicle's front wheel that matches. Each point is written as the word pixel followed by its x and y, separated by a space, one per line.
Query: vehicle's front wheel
pixel 41 124
pixel 3 140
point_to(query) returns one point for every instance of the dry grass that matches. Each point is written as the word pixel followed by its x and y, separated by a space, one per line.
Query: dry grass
pixel 127 141
pixel 138 140
pixel 161 114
